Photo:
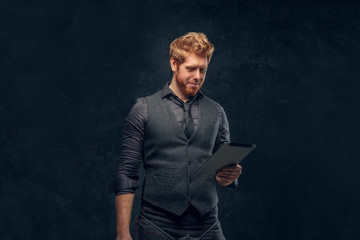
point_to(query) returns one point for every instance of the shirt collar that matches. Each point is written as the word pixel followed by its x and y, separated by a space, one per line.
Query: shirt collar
pixel 166 91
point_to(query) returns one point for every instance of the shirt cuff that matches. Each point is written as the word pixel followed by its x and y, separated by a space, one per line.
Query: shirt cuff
pixel 124 184
pixel 234 184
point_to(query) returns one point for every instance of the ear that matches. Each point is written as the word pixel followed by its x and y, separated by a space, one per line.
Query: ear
pixel 173 64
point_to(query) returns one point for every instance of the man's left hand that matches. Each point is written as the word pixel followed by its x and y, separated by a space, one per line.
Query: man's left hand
pixel 227 175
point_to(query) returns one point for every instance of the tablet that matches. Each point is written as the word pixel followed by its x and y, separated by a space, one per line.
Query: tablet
pixel 228 154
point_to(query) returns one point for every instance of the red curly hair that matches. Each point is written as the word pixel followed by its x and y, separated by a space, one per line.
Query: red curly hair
pixel 193 42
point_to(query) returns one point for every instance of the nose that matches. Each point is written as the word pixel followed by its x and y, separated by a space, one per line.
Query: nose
pixel 197 74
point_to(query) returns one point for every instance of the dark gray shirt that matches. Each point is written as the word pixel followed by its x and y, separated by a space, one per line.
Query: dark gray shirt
pixel 127 180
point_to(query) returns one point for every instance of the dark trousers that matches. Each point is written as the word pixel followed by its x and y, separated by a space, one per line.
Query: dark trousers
pixel 156 224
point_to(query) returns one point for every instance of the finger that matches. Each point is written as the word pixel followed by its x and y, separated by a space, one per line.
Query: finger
pixel 226 180
pixel 232 168
pixel 231 172
pixel 229 178
pixel 223 173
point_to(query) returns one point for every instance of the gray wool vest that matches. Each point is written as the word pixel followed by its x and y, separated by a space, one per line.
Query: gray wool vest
pixel 170 159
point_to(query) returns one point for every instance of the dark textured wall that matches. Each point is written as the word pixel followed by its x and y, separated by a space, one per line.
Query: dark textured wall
pixel 286 72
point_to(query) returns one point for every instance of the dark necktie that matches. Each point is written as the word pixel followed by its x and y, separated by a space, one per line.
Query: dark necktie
pixel 187 123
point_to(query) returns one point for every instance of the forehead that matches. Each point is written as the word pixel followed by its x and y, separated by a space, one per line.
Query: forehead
pixel 195 60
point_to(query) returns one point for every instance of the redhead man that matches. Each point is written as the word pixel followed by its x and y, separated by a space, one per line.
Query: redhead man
pixel 173 132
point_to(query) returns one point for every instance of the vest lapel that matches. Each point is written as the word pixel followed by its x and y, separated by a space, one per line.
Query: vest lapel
pixel 172 117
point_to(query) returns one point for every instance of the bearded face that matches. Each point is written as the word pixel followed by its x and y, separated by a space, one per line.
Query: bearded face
pixel 188 76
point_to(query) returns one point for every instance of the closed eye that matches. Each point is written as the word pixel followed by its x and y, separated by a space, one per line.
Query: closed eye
pixel 190 69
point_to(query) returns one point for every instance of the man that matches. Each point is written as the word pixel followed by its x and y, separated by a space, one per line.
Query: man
pixel 174 131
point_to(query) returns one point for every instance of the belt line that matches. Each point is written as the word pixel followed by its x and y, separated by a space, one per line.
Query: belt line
pixel 187 237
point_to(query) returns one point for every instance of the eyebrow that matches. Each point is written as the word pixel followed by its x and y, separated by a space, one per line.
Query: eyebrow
pixel 189 67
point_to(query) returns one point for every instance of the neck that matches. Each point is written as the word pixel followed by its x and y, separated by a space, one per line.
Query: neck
pixel 174 87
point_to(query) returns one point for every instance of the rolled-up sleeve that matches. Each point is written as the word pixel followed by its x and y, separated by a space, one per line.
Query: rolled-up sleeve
pixel 223 136
pixel 127 175
pixel 224 132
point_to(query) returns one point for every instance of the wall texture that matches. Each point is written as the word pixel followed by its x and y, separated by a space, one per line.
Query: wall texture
pixel 286 73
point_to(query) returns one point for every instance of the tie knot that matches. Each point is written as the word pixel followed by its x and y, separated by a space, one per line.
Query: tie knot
pixel 187 107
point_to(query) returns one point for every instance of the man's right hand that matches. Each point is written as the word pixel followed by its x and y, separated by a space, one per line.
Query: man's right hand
pixel 123 237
